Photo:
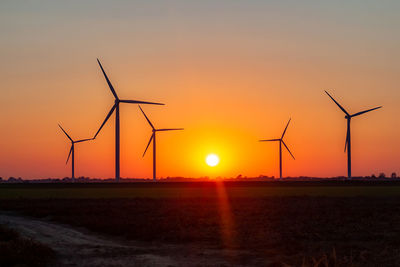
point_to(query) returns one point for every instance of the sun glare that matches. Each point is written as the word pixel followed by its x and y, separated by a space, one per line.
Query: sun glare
pixel 212 160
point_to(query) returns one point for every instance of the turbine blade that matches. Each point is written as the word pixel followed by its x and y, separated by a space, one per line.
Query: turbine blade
pixel 286 128
pixel 104 122
pixel 66 133
pixel 170 129
pixel 69 154
pixel 151 138
pixel 347 139
pixel 140 102
pixel 338 104
pixel 83 140
pixel 146 118
pixel 288 149
pixel 108 81
pixel 365 111
pixel 269 140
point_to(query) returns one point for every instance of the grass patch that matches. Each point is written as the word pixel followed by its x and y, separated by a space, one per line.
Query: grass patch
pixel 16 250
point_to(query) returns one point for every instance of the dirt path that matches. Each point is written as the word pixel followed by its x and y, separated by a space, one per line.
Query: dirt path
pixel 81 248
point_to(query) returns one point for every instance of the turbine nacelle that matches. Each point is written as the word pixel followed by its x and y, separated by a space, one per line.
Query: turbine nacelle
pixel 348 116
pixel 117 100
pixel 281 139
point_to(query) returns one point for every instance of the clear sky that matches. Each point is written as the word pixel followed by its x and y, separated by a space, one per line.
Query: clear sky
pixel 230 72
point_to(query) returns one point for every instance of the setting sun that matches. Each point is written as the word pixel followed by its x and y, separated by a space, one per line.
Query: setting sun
pixel 212 160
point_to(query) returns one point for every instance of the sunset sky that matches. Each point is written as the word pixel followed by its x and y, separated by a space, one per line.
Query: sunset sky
pixel 229 72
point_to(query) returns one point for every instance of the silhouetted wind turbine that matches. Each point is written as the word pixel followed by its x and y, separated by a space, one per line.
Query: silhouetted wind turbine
pixel 347 144
pixel 280 148
pixel 115 107
pixel 153 138
pixel 72 151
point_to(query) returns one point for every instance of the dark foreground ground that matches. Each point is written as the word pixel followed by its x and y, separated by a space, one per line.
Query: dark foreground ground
pixel 16 250
pixel 286 228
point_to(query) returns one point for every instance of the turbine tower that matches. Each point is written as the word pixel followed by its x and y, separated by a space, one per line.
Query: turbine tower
pixel 347 144
pixel 115 107
pixel 280 148
pixel 72 151
pixel 153 138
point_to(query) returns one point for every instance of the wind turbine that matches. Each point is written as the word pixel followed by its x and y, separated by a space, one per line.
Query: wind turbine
pixel 347 144
pixel 153 138
pixel 280 148
pixel 72 151
pixel 115 107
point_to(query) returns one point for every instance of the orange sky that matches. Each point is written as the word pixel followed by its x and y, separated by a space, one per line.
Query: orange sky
pixel 229 72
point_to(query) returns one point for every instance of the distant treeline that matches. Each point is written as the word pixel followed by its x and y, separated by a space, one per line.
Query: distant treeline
pixel 82 179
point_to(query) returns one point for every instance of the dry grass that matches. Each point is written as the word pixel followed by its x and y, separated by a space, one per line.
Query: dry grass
pixel 16 250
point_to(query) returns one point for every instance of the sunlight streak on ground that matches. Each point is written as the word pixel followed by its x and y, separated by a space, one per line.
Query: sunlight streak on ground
pixel 225 212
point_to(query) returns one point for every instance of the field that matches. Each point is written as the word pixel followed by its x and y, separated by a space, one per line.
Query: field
pixel 260 223
pixel 200 190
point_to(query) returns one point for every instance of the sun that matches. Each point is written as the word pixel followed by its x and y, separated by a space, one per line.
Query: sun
pixel 212 160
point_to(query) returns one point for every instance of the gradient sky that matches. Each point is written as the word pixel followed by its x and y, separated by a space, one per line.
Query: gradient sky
pixel 230 72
